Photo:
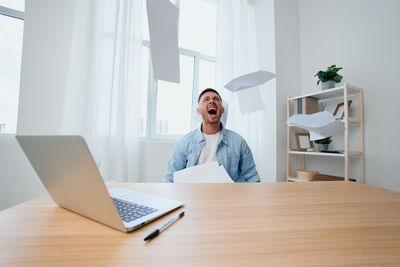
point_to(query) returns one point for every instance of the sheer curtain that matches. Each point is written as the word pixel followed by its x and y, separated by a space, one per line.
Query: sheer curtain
pixel 237 55
pixel 113 96
pixel 82 75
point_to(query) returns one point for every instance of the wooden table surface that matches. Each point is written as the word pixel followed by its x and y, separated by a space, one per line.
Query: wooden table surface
pixel 261 224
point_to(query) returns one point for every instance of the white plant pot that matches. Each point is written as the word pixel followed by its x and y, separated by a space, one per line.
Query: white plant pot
pixel 323 147
pixel 327 85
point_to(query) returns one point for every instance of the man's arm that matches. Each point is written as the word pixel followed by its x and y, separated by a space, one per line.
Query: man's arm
pixel 247 167
pixel 176 162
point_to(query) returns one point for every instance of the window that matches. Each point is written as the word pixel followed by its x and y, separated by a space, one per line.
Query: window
pixel 11 32
pixel 174 101
pixel 171 107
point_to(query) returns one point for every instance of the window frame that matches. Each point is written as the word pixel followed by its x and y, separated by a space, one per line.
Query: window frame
pixel 152 91
pixel 12 13
pixel 15 14
pixel 152 88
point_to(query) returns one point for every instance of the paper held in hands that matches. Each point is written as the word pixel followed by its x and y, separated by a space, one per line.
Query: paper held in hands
pixel 206 173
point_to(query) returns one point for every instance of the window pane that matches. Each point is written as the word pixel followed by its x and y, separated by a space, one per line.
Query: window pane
pixel 144 91
pixel 206 75
pixel 10 67
pixel 198 26
pixel 174 101
pixel 13 4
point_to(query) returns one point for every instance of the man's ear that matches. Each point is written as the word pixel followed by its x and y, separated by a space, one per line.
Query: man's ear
pixel 198 111
pixel 223 110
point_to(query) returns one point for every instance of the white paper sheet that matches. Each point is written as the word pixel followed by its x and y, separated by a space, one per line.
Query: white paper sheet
pixel 320 124
pixel 163 30
pixel 224 116
pixel 250 100
pixel 206 173
pixel 316 136
pixel 249 80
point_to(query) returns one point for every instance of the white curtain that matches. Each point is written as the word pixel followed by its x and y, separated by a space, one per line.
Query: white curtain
pixel 237 55
pixel 113 96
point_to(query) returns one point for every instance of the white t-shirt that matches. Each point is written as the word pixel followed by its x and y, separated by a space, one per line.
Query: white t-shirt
pixel 209 151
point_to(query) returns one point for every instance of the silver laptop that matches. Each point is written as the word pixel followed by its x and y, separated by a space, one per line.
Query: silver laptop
pixel 70 175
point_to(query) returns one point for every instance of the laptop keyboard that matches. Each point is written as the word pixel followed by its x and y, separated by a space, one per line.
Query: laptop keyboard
pixel 130 211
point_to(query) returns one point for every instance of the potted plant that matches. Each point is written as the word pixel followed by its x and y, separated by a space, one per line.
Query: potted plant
pixel 323 144
pixel 329 77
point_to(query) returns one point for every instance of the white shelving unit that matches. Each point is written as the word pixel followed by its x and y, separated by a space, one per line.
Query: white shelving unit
pixel 342 93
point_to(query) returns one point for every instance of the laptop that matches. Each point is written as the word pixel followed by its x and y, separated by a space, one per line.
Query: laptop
pixel 66 167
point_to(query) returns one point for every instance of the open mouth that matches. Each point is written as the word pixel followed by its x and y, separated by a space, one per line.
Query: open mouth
pixel 212 111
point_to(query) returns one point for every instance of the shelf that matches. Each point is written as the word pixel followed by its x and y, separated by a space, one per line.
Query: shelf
pixel 330 93
pixel 292 179
pixel 353 124
pixel 325 154
pixel 353 121
pixel 320 178
pixel 338 155
pixel 355 153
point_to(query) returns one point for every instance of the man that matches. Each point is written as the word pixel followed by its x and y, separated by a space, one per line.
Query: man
pixel 212 141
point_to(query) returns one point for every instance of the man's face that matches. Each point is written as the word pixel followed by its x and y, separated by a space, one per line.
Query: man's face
pixel 210 108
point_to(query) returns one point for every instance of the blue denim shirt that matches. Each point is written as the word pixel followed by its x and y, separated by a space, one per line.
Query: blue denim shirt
pixel 232 152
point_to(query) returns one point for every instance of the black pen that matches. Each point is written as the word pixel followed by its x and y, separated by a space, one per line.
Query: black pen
pixel 165 226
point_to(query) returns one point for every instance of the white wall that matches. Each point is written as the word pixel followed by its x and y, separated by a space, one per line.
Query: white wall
pixel 46 74
pixel 47 41
pixel 18 180
pixel 363 37
pixel 287 69
pixel 154 160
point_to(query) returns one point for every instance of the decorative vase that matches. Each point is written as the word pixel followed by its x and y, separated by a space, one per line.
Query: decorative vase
pixel 323 147
pixel 327 85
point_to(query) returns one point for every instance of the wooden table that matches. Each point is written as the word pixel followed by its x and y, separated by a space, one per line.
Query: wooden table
pixel 263 224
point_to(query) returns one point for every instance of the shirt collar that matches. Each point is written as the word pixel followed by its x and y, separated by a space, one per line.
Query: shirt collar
pixel 200 137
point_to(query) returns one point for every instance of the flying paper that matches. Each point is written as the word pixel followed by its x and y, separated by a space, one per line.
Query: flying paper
pixel 249 80
pixel 163 30
pixel 224 116
pixel 320 124
pixel 250 100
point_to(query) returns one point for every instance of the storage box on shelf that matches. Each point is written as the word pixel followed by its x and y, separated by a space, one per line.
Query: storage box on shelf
pixel 342 93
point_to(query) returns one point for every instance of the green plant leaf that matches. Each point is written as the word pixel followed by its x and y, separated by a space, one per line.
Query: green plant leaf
pixel 326 140
pixel 338 78
pixel 329 75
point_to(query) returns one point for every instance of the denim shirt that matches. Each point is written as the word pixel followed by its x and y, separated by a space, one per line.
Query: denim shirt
pixel 232 152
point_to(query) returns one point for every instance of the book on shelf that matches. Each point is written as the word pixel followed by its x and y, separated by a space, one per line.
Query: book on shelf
pixel 305 105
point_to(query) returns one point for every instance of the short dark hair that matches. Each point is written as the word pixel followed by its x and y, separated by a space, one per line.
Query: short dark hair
pixel 208 90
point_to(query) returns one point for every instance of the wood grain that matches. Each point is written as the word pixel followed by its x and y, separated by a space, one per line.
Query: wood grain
pixel 264 224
